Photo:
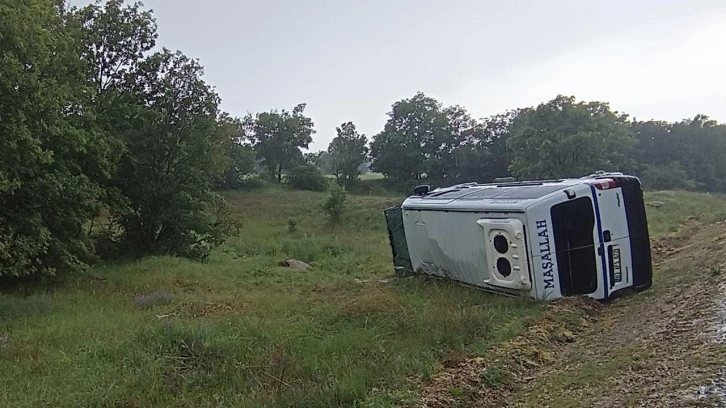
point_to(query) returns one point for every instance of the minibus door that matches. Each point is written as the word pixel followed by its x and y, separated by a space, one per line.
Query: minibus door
pixel 614 250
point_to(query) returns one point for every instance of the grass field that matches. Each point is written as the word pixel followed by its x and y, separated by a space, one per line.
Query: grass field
pixel 240 330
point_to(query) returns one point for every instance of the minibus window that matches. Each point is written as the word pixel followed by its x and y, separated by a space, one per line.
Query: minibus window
pixel 573 224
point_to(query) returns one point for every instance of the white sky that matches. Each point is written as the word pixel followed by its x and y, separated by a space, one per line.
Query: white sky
pixel 350 60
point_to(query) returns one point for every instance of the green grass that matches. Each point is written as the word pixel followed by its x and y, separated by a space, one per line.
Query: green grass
pixel 677 206
pixel 371 176
pixel 242 331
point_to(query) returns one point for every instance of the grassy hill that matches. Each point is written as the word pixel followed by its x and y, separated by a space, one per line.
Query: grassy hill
pixel 241 330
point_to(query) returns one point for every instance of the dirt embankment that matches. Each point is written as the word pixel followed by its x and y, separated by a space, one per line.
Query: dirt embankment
pixel 663 347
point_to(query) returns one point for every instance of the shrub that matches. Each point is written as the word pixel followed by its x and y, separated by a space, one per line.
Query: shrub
pixel 291 224
pixel 240 162
pixel 668 177
pixel 336 203
pixel 250 182
pixel 307 177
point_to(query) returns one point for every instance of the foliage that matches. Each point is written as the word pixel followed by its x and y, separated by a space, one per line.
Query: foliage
pixel 483 155
pixel 347 152
pixel 291 224
pixel 687 154
pixel 445 145
pixel 335 205
pixel 567 138
pixel 169 140
pixel 112 41
pixel 45 197
pixel 240 158
pixel 669 176
pixel 278 136
pixel 322 160
pixel 96 126
pixel 414 140
pixel 173 154
pixel 240 165
pixel 307 177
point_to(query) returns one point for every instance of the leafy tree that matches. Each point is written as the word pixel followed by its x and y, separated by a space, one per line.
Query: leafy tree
pixel 411 145
pixel 113 39
pixel 495 131
pixel 704 149
pixel 174 151
pixel 45 198
pixel 482 154
pixel 347 152
pixel 313 158
pixel 240 158
pixel 566 138
pixel 687 154
pixel 278 136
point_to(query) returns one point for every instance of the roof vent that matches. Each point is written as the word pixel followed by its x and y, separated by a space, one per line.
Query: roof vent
pixel 421 190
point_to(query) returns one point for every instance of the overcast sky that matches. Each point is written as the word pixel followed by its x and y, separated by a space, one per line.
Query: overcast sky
pixel 350 60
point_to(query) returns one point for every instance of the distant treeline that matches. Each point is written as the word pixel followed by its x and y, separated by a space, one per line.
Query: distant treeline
pixel 107 146
pixel 559 138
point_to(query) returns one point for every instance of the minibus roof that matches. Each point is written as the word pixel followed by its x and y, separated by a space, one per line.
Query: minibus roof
pixel 495 197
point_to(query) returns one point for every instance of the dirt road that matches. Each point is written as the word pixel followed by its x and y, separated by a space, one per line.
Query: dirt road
pixel 661 348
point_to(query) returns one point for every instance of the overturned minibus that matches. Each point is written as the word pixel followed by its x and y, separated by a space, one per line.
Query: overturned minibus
pixel 545 239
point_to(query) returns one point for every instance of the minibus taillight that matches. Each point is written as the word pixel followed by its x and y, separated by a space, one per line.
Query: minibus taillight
pixel 605 184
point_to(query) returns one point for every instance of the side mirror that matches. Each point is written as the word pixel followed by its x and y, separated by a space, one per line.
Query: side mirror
pixel 421 190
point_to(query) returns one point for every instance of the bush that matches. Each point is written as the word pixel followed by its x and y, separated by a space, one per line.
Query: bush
pixel 336 203
pixel 307 177
pixel 668 177
pixel 291 224
pixel 240 161
pixel 250 182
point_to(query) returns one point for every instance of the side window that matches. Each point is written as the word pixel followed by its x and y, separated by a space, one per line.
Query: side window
pixel 573 224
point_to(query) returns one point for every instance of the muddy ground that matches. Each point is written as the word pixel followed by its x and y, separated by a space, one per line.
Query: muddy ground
pixel 664 347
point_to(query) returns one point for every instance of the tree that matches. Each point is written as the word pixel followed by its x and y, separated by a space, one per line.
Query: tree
pixel 347 152
pixel 112 40
pixel 687 154
pixel 482 154
pixel 307 177
pixel 240 158
pixel 703 142
pixel 278 136
pixel 566 138
pixel 412 142
pixel 45 198
pixel 174 151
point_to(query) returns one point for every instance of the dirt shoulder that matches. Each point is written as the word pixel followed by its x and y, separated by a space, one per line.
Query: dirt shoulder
pixel 662 347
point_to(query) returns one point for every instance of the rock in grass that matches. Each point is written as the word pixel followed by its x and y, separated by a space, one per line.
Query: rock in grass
pixel 295 264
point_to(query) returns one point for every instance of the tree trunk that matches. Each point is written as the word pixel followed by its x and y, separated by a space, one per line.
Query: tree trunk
pixel 279 173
